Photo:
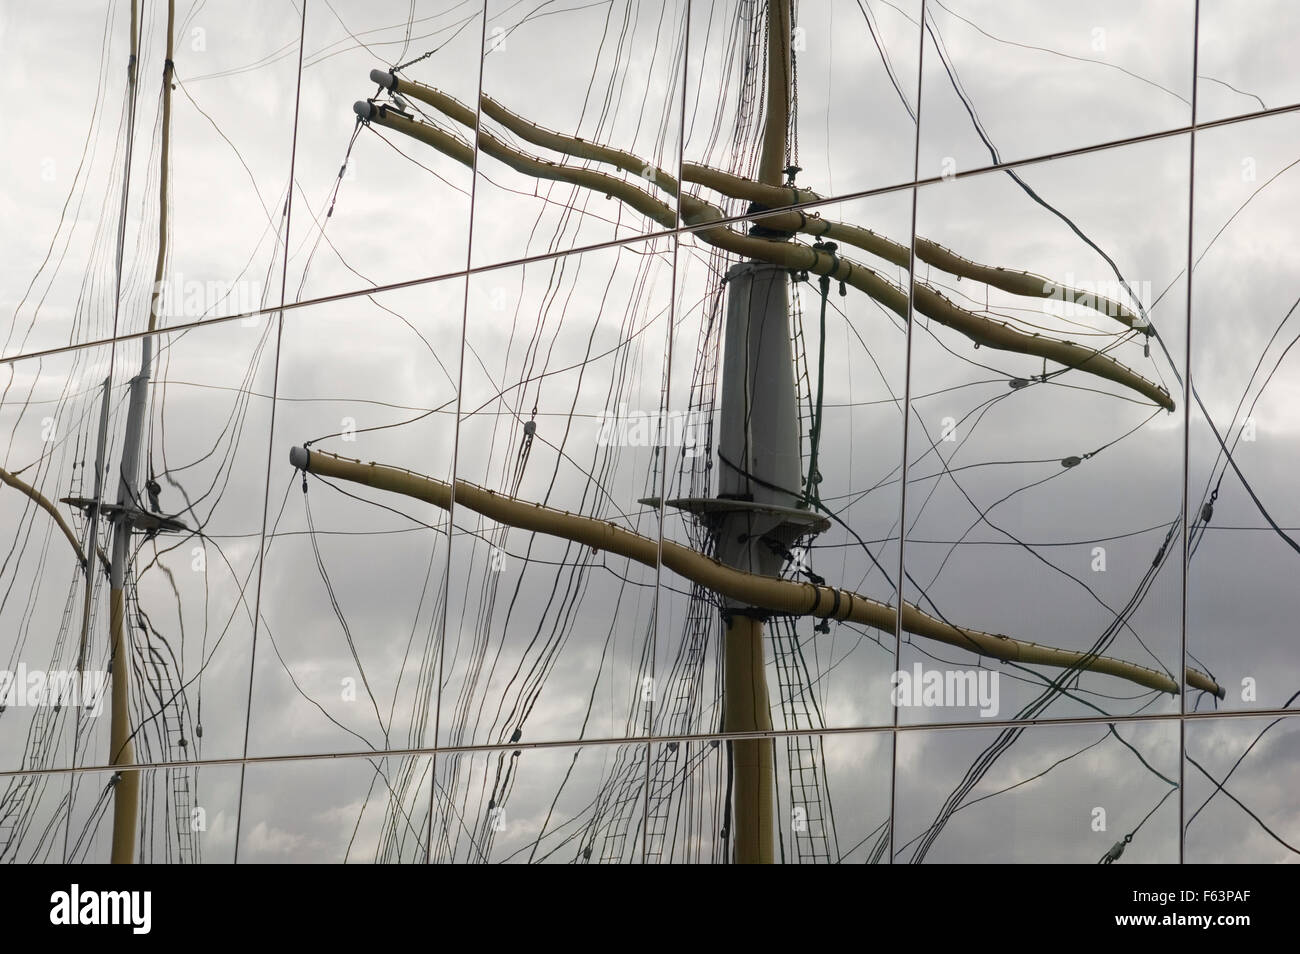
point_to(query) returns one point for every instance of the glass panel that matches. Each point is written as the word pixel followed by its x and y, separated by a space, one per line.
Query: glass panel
pixel 334 811
pixel 229 150
pixel 590 514
pixel 186 816
pixel 355 581
pixel 1246 57
pixel 188 565
pixel 842 528
pixel 581 126
pixel 1060 794
pixel 1245 542
pixel 373 205
pixel 852 114
pixel 1009 80
pixel 1045 448
pixel 50 414
pixel 196 579
pixel 565 360
pixel 831 800
pixel 564 805
pixel 1242 775
pixel 61 177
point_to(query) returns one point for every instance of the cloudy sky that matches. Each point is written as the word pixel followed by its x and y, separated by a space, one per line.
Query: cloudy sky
pixel 347 619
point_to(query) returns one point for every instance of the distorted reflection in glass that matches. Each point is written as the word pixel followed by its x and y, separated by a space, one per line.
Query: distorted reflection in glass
pixel 581 121
pixel 50 411
pixel 1242 775
pixel 1243 514
pixel 57 276
pixel 1006 81
pixel 851 112
pixel 374 202
pixel 562 805
pixel 354 586
pixel 565 362
pixel 831 796
pixel 1245 62
pixel 187 521
pixel 1045 448
pixel 832 517
pixel 188 816
pixel 335 811
pixel 1061 794
pixel 623 519
pixel 229 143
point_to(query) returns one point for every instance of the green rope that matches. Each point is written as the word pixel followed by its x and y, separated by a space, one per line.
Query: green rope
pixel 812 491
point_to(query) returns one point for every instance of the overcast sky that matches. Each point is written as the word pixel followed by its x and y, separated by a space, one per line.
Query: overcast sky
pixel 548 640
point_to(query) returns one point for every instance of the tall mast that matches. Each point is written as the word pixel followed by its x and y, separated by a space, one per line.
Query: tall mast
pixel 126 790
pixel 760 443
pixel 779 73
pixel 88 565
pixel 762 505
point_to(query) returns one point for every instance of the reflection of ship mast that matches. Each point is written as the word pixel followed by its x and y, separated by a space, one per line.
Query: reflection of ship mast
pixel 763 506
pixel 129 514
pixel 758 513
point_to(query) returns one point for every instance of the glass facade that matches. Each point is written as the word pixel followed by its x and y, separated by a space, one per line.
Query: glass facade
pixel 465 431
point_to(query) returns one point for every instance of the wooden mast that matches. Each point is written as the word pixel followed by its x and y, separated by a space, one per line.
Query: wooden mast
pixel 126 790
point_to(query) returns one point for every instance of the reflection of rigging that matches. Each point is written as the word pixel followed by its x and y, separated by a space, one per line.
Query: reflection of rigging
pixel 665 803
pixel 759 244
